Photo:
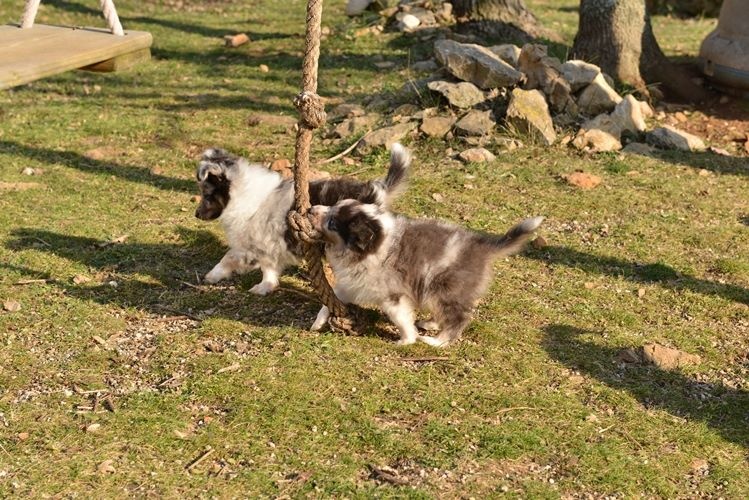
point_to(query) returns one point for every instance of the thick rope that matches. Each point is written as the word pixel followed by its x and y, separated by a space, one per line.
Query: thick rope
pixel 110 14
pixel 29 13
pixel 312 116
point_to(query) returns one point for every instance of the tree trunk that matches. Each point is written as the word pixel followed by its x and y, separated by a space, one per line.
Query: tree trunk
pixel 617 36
pixel 502 19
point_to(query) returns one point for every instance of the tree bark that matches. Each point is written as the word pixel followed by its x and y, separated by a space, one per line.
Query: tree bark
pixel 617 36
pixel 503 19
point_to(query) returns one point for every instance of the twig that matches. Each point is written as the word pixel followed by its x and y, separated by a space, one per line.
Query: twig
pixel 298 292
pixel 181 313
pixel 207 453
pixel 197 277
pixel 197 287
pixel 6 451
pixel 42 241
pixel 505 410
pixel 30 282
pixel 231 368
pixel 428 359
pixel 386 476
pixel 345 151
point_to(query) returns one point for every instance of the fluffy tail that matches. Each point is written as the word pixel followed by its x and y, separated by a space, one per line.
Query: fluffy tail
pixel 513 240
pixel 394 182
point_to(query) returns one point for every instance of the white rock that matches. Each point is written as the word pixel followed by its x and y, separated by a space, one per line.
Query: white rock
pixel 667 137
pixel 579 74
pixel 356 7
pixel 628 114
pixel 646 109
pixel 598 97
pixel 410 21
pixel 596 141
pixel 461 95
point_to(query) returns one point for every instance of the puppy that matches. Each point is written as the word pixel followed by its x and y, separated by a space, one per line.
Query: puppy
pixel 402 265
pixel 252 202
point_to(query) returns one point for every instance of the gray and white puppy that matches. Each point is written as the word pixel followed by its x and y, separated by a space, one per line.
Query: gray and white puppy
pixel 252 201
pixel 403 265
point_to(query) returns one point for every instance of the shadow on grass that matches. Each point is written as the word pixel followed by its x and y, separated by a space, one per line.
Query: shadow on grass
pixel 172 268
pixel 731 165
pixel 658 273
pixel 75 160
pixel 722 408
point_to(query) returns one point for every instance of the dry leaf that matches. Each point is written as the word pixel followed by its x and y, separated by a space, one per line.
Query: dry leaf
pixel 11 305
pixel 641 292
pixel 93 427
pixel 180 434
pixel 263 68
pixel 589 285
pixel 99 340
pixel 703 172
pixel 438 197
pixel 79 278
pixel 23 436
pixel 106 467
pixel 236 40
pixel 231 368
pixel 583 180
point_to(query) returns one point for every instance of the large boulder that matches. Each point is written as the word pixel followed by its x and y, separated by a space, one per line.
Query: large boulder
pixel 475 123
pixel 667 137
pixel 598 97
pixel 475 64
pixel 460 95
pixel 543 72
pixel 528 113
pixel 508 52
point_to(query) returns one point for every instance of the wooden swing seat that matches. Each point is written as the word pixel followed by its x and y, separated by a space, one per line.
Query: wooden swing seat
pixel 43 50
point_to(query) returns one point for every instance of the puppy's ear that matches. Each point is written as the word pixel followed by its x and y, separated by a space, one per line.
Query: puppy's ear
pixel 365 234
pixel 209 168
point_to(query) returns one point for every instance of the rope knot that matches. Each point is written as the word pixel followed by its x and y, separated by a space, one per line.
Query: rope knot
pixel 301 228
pixel 311 109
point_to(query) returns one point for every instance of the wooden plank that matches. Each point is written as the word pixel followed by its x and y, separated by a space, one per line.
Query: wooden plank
pixel 121 63
pixel 29 54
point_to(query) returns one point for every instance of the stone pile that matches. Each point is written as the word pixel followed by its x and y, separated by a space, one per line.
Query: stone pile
pixel 523 91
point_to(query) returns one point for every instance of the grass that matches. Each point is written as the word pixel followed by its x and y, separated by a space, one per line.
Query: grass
pixel 533 403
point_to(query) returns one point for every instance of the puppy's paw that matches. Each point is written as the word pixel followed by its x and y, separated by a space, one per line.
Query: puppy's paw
pixel 406 342
pixel 321 320
pixel 214 276
pixel 428 324
pixel 432 341
pixel 263 288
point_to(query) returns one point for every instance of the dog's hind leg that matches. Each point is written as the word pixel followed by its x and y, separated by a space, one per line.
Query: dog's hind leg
pixel 429 325
pixel 401 313
pixel 453 318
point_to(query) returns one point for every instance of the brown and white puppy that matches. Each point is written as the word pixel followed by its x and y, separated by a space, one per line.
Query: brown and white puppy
pixel 252 201
pixel 404 265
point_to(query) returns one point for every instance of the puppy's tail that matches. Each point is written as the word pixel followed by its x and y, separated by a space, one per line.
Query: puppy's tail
pixel 513 240
pixel 395 182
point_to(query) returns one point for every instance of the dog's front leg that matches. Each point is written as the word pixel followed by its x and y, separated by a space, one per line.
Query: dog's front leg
pixel 401 313
pixel 269 283
pixel 232 262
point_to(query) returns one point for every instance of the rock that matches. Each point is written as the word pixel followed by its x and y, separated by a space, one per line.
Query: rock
pixel 579 74
pixel 638 148
pixel 477 155
pixel 263 68
pixel 385 137
pixel 11 305
pixel 598 97
pixel 406 109
pixel 437 126
pixel 542 72
pixel 667 358
pixel 628 356
pixel 345 111
pixel 596 141
pixel 528 113
pixel 236 40
pixel 354 125
pixel 646 109
pixel 582 180
pixel 356 7
pixel 508 52
pixel 628 115
pixel 438 197
pixel 409 22
pixel 475 64
pixel 475 123
pixel 667 137
pixel 460 95
pixel 428 66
